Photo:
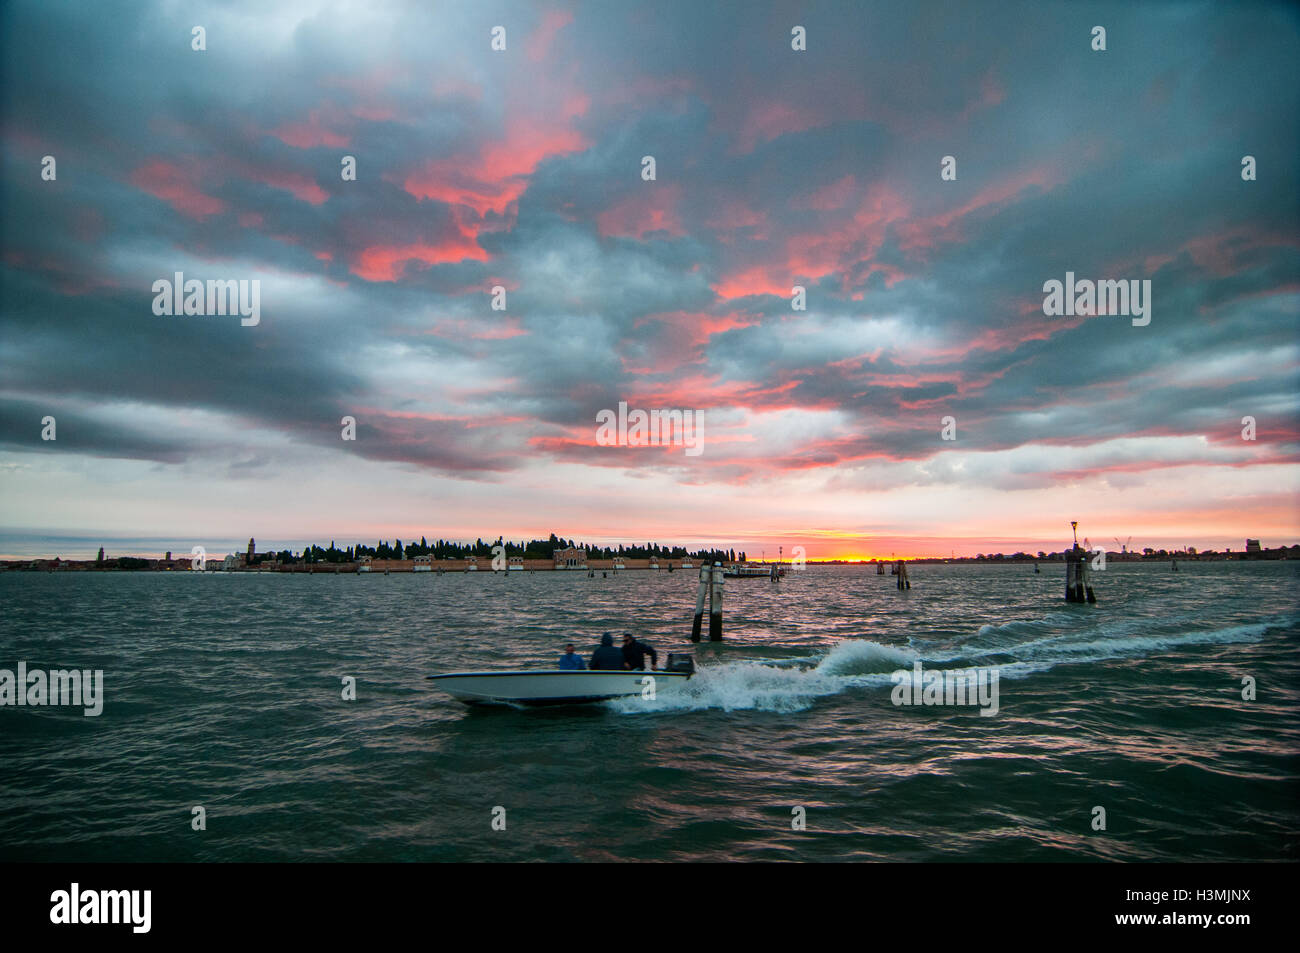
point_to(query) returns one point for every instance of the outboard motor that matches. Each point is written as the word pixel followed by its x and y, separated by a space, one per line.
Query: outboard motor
pixel 682 662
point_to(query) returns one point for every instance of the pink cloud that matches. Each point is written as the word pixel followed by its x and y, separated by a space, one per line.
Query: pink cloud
pixel 752 281
pixel 298 185
pixel 681 337
pixel 387 262
pixel 837 244
pixel 493 176
pixel 174 186
pixel 945 226
pixel 538 46
pixel 505 328
pixel 770 120
pixel 312 132
pixel 649 209
pixel 734 214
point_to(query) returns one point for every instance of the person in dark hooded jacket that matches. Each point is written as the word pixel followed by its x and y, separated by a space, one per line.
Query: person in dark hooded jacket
pixel 607 656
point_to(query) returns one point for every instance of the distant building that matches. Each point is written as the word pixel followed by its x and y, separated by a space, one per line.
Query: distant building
pixel 252 557
pixel 570 558
pixel 1252 547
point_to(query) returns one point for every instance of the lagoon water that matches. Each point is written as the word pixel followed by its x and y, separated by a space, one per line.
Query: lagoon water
pixel 224 690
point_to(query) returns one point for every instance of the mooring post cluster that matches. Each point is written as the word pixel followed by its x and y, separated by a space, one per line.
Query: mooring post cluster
pixel 711 581
pixel 903 581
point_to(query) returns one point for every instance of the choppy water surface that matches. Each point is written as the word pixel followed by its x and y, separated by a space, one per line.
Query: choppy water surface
pixel 223 690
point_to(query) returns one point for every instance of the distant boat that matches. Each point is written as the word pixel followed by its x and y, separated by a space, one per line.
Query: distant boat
pixel 558 687
pixel 753 570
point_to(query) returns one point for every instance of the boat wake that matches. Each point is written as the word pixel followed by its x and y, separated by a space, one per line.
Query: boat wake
pixel 795 684
pixel 763 686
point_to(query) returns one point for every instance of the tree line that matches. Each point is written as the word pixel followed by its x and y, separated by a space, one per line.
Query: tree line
pixel 528 549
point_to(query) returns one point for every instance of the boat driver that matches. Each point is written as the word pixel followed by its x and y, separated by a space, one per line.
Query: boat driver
pixel 634 653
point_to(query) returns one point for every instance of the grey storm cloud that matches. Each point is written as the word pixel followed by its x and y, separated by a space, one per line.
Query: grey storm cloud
pixel 924 295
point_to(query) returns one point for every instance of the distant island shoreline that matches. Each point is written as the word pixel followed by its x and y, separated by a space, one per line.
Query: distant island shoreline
pixel 557 554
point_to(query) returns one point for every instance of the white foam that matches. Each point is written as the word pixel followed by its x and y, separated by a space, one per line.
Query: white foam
pixel 740 685
pixel 863 657
pixel 794 685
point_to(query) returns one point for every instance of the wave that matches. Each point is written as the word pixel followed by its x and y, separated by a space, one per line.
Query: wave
pixel 796 684
pixel 864 657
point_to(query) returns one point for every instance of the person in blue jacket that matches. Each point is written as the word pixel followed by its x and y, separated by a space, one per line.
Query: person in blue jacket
pixel 571 660
pixel 607 656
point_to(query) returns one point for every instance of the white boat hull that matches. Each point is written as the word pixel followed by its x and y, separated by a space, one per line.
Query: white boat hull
pixel 553 687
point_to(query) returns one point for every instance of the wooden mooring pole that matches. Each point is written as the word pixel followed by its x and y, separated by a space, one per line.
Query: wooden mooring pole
pixel 715 604
pixel 699 602
pixel 1077 588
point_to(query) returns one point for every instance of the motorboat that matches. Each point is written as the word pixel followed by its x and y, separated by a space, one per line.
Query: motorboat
pixel 564 686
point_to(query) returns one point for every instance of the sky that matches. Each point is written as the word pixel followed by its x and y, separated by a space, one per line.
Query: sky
pixel 524 169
